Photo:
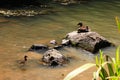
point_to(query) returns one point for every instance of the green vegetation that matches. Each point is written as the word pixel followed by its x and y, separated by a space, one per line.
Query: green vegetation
pixel 118 23
pixel 108 67
pixel 78 71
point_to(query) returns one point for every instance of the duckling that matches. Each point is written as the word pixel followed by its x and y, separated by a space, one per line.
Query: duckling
pixel 23 62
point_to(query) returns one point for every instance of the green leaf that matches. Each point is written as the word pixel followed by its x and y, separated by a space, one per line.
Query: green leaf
pixel 101 75
pixel 118 23
pixel 113 78
pixel 119 71
pixel 78 71
pixel 110 65
pixel 100 71
pixel 101 57
pixel 97 61
pixel 117 56
pixel 110 69
pixel 117 61
pixel 104 72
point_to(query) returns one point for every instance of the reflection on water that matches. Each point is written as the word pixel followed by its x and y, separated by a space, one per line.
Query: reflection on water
pixel 18 34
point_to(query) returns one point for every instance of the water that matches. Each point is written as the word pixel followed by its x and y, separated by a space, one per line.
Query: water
pixel 18 34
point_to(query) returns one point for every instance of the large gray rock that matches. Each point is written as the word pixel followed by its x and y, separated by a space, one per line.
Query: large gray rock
pixel 53 57
pixel 90 41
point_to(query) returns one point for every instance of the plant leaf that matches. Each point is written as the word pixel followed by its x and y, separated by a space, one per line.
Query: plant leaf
pixel 104 72
pixel 101 57
pixel 110 69
pixel 113 77
pixel 110 65
pixel 78 71
pixel 117 60
pixel 97 61
pixel 117 56
pixel 99 73
pixel 118 23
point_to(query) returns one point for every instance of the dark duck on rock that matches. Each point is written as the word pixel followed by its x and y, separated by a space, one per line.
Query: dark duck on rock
pixel 82 28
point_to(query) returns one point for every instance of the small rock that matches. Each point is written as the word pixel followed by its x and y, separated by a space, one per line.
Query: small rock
pixel 53 57
pixel 53 42
pixel 65 42
pixel 38 47
pixel 58 47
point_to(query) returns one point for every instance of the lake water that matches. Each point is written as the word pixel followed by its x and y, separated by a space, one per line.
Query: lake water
pixel 17 34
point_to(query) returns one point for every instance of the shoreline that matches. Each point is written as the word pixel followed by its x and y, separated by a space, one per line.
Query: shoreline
pixel 26 11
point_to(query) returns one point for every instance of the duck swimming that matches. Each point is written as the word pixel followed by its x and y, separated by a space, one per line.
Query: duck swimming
pixel 24 61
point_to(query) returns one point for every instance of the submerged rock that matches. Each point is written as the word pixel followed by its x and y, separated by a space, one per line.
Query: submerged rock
pixel 90 41
pixel 58 47
pixel 38 48
pixel 53 58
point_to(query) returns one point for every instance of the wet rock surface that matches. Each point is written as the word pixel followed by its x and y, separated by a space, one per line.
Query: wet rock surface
pixel 58 47
pixel 90 41
pixel 53 58
pixel 66 42
pixel 38 48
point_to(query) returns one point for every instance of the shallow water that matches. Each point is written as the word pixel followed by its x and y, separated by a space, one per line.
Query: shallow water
pixel 18 34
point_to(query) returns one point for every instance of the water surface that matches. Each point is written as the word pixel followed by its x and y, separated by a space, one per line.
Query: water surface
pixel 19 33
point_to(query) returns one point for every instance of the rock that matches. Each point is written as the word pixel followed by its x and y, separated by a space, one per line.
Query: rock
pixel 38 48
pixel 53 42
pixel 90 41
pixel 58 47
pixel 53 58
pixel 68 2
pixel 24 12
pixel 66 42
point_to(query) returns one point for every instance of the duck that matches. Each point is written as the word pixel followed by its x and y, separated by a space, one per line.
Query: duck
pixel 23 62
pixel 82 28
